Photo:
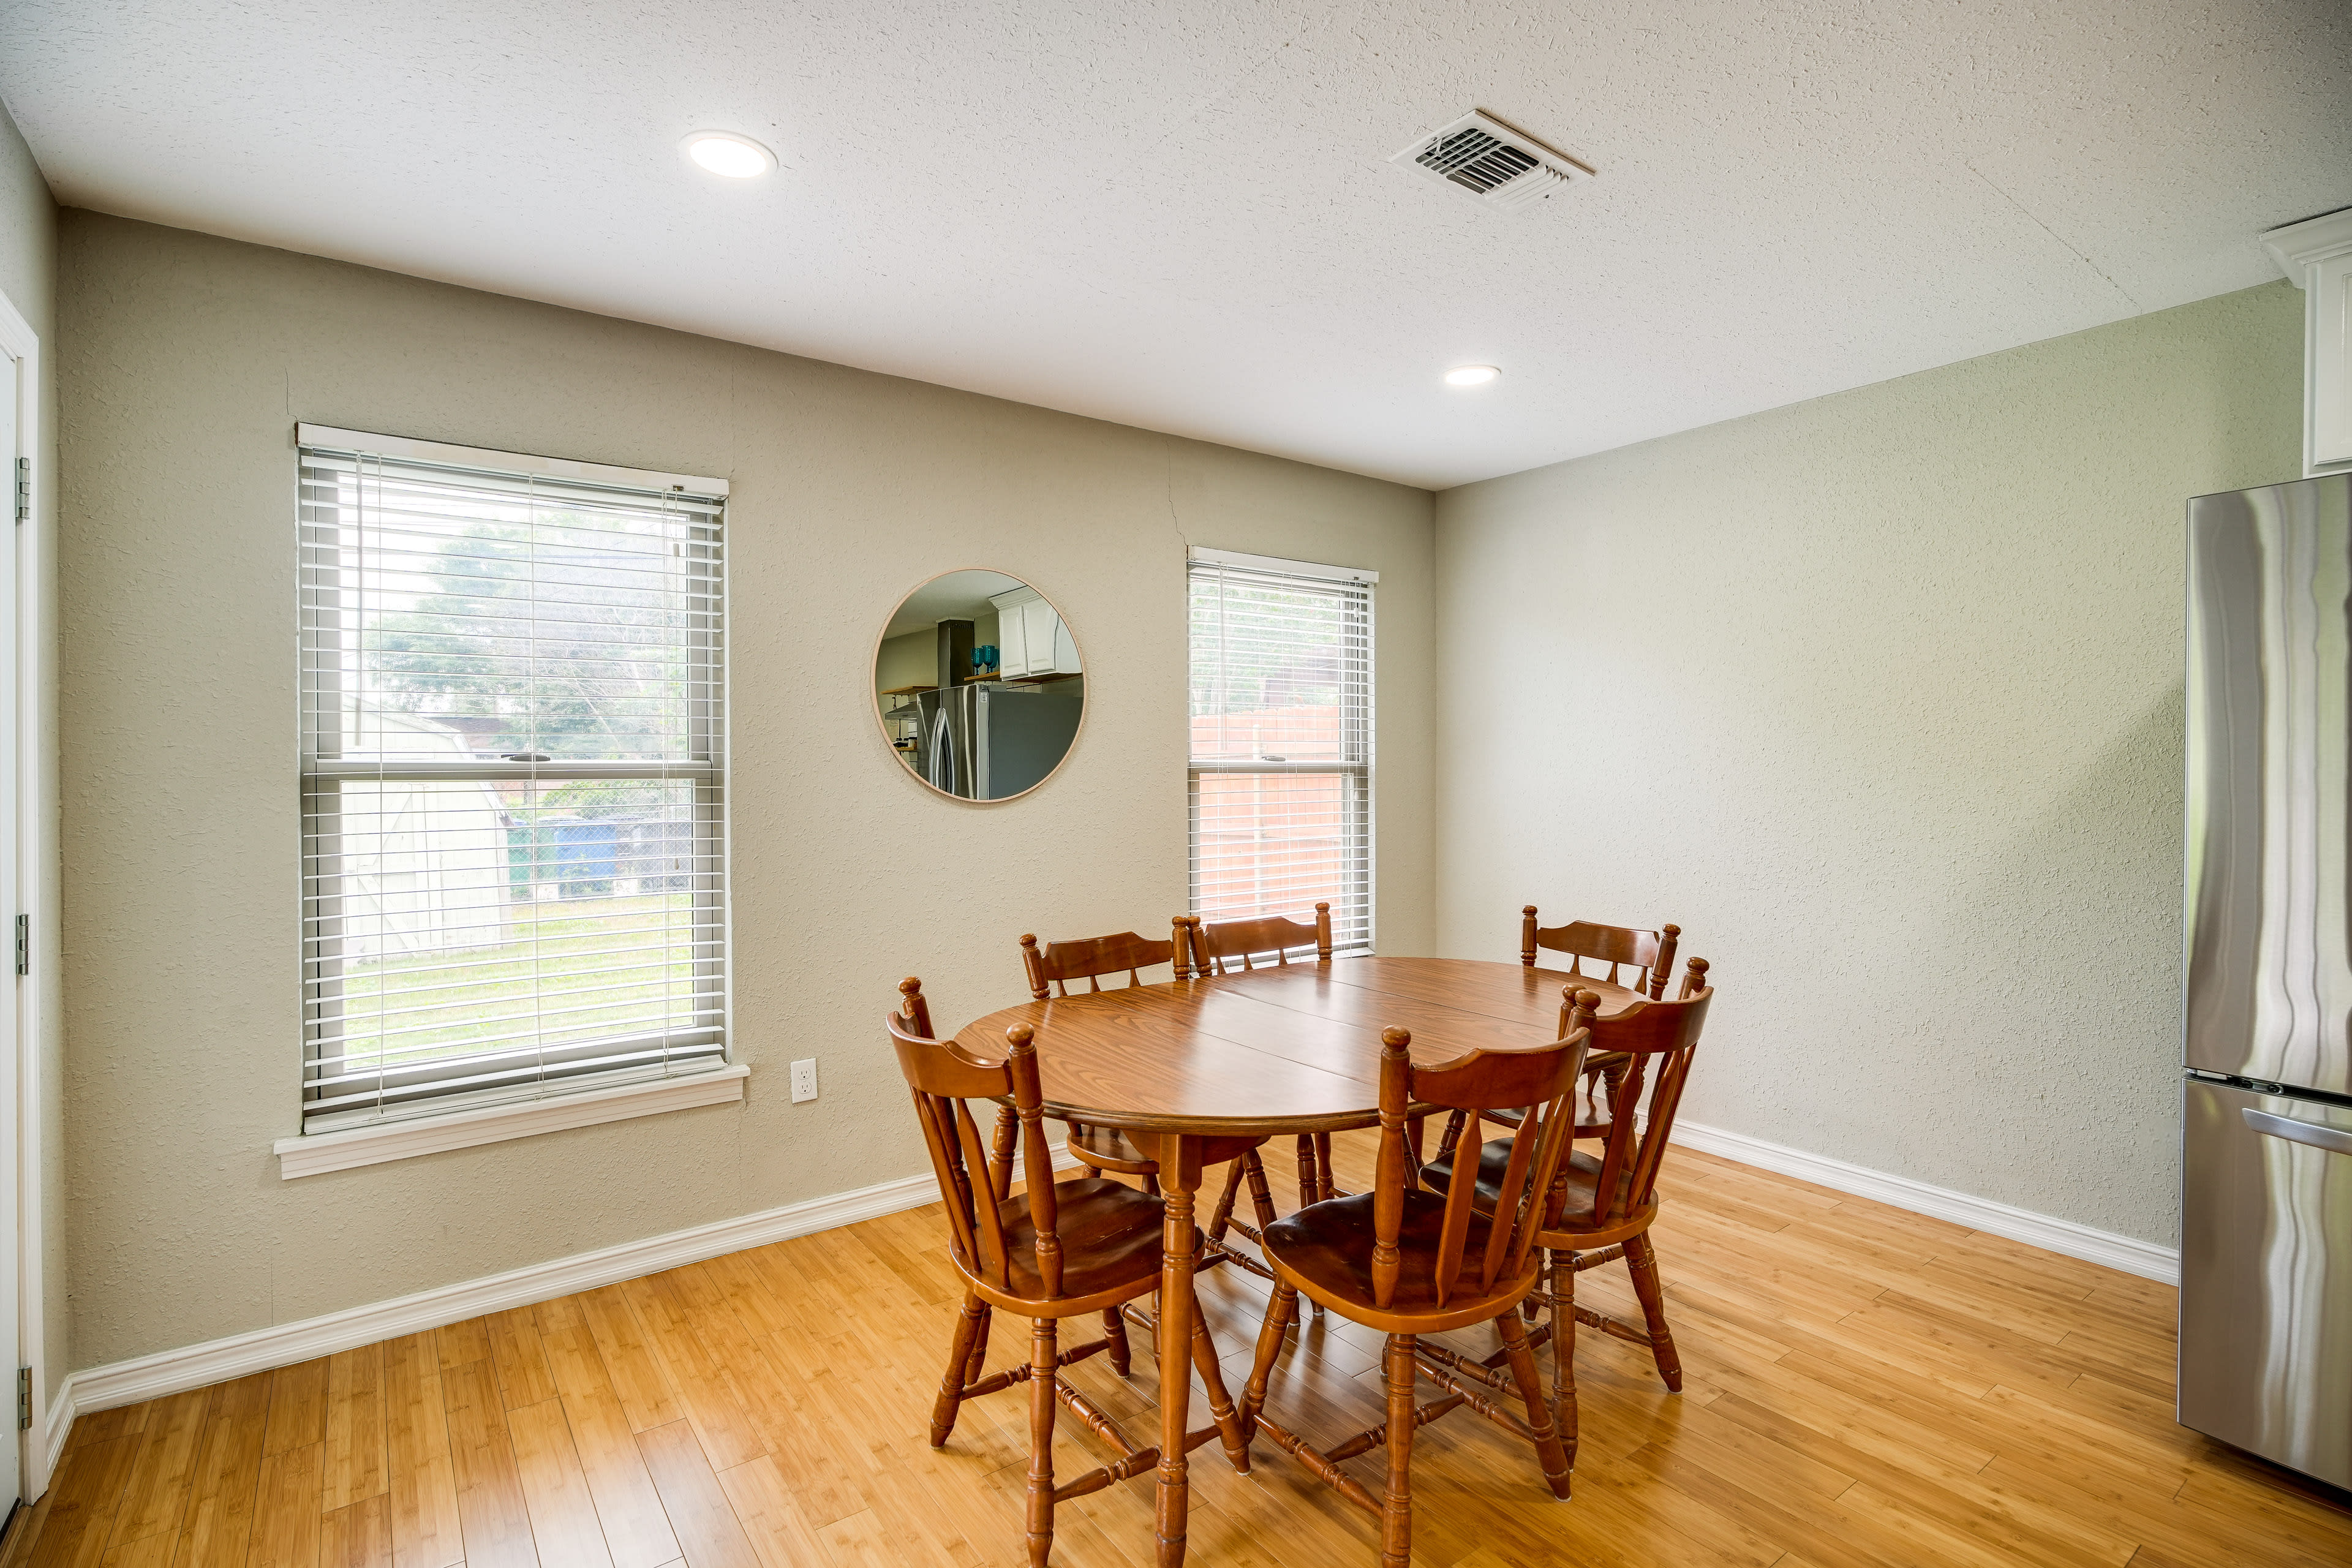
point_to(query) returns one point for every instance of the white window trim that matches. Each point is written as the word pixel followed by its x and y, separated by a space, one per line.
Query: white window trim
pixel 464 1126
pixel 1328 573
pixel 1278 563
pixel 318 1152
pixel 327 437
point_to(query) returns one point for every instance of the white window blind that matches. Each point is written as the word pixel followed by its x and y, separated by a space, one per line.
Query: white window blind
pixel 1282 742
pixel 514 753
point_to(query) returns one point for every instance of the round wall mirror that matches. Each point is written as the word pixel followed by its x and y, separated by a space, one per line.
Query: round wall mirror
pixel 978 685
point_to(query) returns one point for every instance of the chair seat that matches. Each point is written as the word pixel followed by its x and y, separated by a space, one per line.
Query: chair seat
pixel 1110 1236
pixel 1108 1149
pixel 1324 1251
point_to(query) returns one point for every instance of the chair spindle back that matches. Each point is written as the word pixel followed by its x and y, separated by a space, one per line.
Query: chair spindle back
pixel 1537 1080
pixel 1659 1038
pixel 1217 944
pixel 1651 951
pixel 975 1180
pixel 1052 968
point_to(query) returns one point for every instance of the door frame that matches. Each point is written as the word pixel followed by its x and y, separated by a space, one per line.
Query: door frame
pixel 21 346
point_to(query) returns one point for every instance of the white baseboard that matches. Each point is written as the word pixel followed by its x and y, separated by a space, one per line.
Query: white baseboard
pixel 2104 1247
pixel 284 1345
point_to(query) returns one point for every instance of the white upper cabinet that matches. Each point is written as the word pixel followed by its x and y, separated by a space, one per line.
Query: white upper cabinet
pixel 1031 639
pixel 2316 254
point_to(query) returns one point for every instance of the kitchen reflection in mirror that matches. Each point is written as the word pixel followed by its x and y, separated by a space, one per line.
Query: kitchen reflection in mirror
pixel 978 685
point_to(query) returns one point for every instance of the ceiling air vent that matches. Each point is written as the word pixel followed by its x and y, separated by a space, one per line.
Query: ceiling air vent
pixel 1500 166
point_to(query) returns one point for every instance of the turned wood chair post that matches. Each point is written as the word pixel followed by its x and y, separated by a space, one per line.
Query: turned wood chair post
pixel 1037 1160
pixel 1323 933
pixel 1528 936
pixel 1033 962
pixel 1694 978
pixel 1390 1179
pixel 912 1007
pixel 1179 944
pixel 1664 968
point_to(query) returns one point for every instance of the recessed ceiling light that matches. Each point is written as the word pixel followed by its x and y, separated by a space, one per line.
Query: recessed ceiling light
pixel 724 152
pixel 1471 374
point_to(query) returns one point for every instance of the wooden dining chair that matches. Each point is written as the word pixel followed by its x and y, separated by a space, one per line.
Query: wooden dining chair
pixel 1650 953
pixel 1051 969
pixel 1059 1250
pixel 1099 1148
pixel 1602 1209
pixel 1218 947
pixel 1410 1262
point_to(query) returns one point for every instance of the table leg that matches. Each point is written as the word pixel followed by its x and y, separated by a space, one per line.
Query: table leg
pixel 1180 1178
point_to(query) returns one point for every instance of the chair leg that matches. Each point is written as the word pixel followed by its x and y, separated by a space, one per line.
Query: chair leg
pixel 952 1381
pixel 1548 1452
pixel 1115 1330
pixel 1261 1195
pixel 1563 1351
pixel 1230 1429
pixel 1641 1263
pixel 1396 1507
pixel 1310 1187
pixel 1044 1364
pixel 1222 1216
pixel 1151 1183
pixel 1325 1188
pixel 978 1363
pixel 1278 1315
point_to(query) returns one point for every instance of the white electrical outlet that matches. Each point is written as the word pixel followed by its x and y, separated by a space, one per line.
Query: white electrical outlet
pixel 803 1080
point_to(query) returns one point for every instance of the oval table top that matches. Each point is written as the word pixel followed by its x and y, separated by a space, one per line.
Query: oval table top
pixel 1283 1048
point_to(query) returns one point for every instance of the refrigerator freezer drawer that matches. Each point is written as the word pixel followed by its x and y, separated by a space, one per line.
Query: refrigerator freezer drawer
pixel 2266 1277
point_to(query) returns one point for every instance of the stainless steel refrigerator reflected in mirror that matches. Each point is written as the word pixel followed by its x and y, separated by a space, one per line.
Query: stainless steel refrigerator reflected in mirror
pixel 977 685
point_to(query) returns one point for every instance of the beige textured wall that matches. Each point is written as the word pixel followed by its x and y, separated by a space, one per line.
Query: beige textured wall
pixel 1879 696
pixel 188 361
pixel 28 256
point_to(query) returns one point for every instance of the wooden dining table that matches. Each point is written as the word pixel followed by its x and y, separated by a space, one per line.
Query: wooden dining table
pixel 1279 1049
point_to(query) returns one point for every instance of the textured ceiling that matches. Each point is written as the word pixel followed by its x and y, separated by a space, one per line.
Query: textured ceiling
pixel 1181 216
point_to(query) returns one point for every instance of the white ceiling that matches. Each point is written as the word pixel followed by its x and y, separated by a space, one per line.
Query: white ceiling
pixel 1181 216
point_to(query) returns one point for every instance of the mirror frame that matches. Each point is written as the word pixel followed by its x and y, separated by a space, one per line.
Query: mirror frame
pixel 882 727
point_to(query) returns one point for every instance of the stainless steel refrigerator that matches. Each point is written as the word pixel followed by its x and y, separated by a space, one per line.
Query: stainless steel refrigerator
pixel 2267 1200
pixel 991 740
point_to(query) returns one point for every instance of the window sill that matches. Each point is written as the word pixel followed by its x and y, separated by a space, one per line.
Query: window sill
pixel 323 1151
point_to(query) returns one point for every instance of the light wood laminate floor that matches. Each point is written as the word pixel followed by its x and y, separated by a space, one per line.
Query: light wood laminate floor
pixel 1865 1386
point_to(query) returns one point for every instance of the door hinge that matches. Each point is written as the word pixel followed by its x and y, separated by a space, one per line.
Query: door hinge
pixel 24 1399
pixel 24 488
pixel 24 945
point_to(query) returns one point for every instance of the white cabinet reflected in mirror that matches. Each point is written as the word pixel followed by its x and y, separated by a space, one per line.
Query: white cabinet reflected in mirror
pixel 978 685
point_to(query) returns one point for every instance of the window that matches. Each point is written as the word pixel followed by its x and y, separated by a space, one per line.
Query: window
pixel 513 766
pixel 1282 742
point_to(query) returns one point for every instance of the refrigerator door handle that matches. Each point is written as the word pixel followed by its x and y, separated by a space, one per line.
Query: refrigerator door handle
pixel 2328 1138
